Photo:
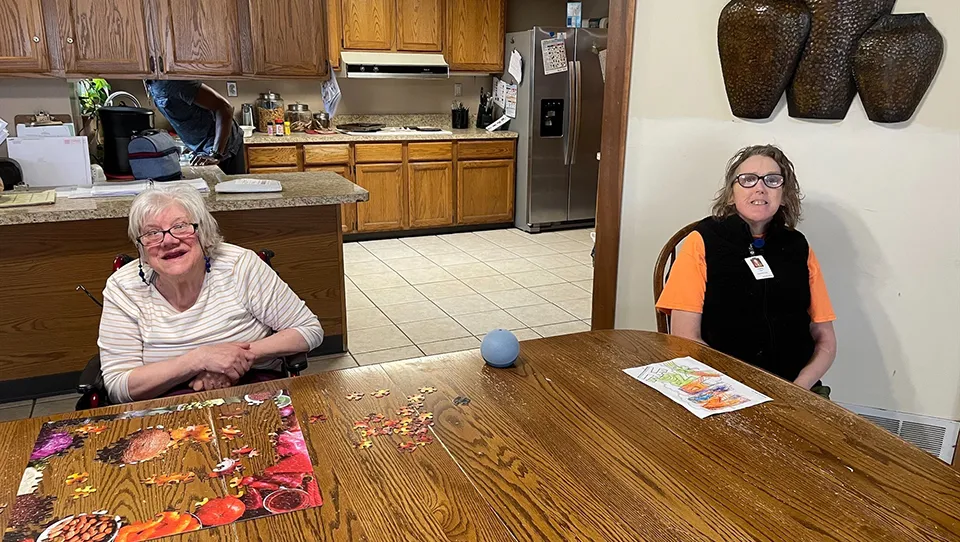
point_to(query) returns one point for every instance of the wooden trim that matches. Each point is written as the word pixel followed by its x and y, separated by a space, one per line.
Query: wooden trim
pixel 956 455
pixel 616 102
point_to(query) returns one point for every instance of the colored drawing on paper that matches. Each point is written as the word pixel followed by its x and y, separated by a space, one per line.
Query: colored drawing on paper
pixel 697 387
pixel 76 460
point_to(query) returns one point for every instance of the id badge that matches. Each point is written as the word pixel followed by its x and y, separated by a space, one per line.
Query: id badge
pixel 759 267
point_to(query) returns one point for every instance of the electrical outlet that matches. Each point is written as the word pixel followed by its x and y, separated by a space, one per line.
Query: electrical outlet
pixel 232 89
pixel 457 90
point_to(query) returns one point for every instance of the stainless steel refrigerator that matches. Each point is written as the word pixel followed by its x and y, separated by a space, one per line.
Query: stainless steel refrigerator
pixel 559 118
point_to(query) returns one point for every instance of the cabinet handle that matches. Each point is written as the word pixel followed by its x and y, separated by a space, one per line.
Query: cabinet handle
pixel 160 58
pixel 153 64
pixel 69 40
pixel 36 39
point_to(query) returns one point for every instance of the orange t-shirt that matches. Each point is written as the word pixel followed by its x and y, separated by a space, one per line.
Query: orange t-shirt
pixel 687 284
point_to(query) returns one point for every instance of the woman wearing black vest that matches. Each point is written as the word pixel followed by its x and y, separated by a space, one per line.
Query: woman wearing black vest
pixel 746 283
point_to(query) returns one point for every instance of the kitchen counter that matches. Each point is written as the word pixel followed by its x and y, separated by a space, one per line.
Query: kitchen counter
pixel 49 330
pixel 300 137
pixel 299 190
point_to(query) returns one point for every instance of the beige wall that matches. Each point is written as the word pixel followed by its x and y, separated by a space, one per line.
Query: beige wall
pixel 27 96
pixel 882 203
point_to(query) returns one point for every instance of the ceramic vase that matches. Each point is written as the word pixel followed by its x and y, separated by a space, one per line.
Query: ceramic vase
pixel 760 42
pixel 895 63
pixel 823 86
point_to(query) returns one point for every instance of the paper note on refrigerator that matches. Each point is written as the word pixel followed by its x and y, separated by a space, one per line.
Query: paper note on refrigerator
pixel 554 51
pixel 500 93
pixel 516 66
pixel 510 109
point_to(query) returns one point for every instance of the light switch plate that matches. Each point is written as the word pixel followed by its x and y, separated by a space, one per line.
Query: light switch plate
pixel 457 90
pixel 232 89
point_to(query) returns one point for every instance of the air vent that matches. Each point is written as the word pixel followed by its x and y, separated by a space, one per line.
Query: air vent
pixel 933 435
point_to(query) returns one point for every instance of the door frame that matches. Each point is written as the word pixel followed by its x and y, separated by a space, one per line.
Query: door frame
pixel 616 101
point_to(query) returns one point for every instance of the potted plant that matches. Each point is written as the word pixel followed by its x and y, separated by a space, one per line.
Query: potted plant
pixel 92 93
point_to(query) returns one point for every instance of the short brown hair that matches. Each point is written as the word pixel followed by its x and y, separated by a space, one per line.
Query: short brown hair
pixel 789 207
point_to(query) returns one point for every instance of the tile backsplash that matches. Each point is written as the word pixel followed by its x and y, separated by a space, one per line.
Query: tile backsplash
pixel 358 97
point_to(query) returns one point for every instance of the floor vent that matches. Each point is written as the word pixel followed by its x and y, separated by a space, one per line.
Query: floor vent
pixel 934 435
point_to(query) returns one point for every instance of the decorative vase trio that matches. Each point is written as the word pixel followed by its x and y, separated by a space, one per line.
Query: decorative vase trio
pixel 822 53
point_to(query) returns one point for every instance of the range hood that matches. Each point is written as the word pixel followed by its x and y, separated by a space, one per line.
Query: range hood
pixel 371 65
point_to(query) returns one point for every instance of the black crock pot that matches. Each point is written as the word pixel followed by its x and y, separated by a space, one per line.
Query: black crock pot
pixel 119 123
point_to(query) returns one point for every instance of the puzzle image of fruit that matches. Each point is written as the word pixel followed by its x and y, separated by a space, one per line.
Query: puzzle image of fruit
pixel 697 387
pixel 187 467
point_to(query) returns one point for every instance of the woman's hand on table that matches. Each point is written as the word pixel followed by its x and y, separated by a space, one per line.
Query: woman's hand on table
pixel 231 360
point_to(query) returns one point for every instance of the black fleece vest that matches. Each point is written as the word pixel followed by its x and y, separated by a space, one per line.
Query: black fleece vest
pixel 762 322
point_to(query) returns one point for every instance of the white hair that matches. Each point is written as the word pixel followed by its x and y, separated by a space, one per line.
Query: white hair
pixel 153 200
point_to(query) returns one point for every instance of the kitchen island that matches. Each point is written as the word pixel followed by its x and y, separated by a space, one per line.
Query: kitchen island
pixel 48 330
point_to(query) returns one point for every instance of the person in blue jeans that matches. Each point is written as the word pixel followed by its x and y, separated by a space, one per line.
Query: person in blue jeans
pixel 204 121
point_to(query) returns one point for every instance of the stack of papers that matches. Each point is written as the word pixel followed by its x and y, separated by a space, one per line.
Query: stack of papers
pixel 121 189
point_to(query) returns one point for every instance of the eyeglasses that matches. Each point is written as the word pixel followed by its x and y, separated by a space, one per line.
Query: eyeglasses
pixel 181 231
pixel 749 180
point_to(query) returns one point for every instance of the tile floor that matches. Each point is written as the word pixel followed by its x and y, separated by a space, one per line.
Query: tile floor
pixel 428 295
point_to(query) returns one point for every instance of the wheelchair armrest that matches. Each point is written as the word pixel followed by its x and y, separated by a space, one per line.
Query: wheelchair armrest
pixel 91 379
pixel 295 364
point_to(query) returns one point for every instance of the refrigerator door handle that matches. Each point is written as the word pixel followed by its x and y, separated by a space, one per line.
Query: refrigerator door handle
pixel 575 120
pixel 569 135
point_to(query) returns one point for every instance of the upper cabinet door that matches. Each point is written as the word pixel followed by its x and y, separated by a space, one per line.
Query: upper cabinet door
pixel 198 38
pixel 104 37
pixel 475 34
pixel 288 37
pixel 23 43
pixel 368 24
pixel 420 25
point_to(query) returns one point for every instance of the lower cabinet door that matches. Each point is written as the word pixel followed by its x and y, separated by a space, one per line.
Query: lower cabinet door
pixel 431 194
pixel 485 191
pixel 384 211
pixel 348 211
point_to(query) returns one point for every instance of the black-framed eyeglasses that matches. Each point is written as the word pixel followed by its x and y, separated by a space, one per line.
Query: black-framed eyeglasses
pixel 180 230
pixel 749 180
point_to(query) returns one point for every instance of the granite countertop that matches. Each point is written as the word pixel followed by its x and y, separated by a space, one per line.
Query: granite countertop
pixel 299 190
pixel 300 137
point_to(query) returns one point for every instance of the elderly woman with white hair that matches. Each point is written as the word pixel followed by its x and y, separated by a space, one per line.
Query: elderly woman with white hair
pixel 194 313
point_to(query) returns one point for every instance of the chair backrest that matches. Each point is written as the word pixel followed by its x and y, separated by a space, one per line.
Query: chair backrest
pixel 661 271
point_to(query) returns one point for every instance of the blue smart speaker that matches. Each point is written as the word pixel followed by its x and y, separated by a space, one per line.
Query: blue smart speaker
pixel 500 348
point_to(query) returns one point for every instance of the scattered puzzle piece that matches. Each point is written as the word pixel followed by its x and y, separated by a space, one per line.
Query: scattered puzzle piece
pixel 230 432
pixel 170 479
pixel 90 429
pixel 77 478
pixel 246 451
pixel 415 399
pixel 83 492
pixel 460 400
pixel 364 444
pixel 354 397
pixel 408 446
pixel 380 394
pixel 318 418
pixel 427 389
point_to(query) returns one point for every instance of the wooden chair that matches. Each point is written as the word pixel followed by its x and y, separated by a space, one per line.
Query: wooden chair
pixel 661 271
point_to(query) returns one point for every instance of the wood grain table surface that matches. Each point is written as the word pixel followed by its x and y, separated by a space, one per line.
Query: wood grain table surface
pixel 565 446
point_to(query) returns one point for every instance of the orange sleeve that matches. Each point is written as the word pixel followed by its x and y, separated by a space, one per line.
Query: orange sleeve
pixel 821 310
pixel 687 283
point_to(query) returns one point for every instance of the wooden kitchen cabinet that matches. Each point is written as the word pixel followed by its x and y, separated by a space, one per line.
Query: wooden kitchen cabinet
pixel 207 46
pixel 485 191
pixel 368 24
pixel 275 169
pixel 420 25
pixel 288 38
pixel 430 194
pixel 475 35
pixel 105 37
pixel 23 41
pixel 384 211
pixel 348 211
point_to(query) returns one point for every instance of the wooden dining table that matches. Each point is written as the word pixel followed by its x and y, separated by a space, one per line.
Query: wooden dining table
pixel 565 446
